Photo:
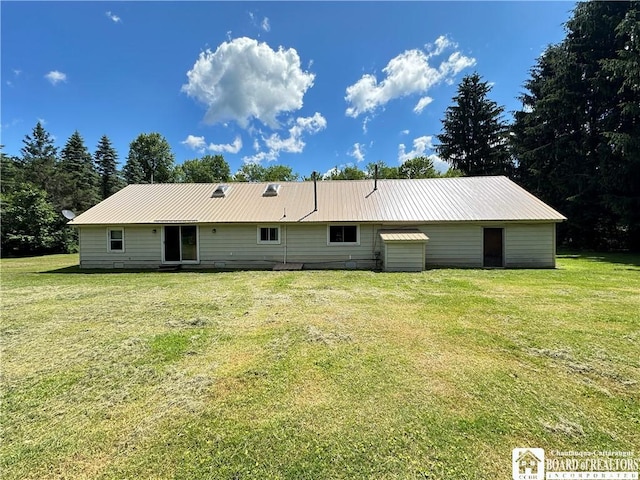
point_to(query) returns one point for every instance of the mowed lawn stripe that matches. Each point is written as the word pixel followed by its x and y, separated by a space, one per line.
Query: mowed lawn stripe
pixel 314 374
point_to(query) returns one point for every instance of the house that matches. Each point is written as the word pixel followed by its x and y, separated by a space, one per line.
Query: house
pixel 528 464
pixel 396 225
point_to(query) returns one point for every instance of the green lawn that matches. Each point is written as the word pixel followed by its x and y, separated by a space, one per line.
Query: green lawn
pixel 314 375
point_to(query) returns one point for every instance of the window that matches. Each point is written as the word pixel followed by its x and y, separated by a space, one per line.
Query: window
pixel 269 235
pixel 115 239
pixel 344 234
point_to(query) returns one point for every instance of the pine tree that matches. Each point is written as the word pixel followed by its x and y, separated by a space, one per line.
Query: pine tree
pixel 576 137
pixel 474 138
pixel 80 179
pixel 39 159
pixel 106 160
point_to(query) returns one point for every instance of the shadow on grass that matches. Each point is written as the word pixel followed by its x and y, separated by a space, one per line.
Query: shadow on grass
pixel 622 258
pixel 110 271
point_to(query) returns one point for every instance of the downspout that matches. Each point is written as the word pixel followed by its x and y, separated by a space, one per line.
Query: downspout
pixel 285 243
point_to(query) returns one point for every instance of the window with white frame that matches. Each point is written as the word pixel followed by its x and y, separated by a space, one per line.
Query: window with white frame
pixel 269 235
pixel 344 234
pixel 115 239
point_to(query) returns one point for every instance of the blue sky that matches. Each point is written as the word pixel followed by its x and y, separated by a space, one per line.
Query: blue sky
pixel 312 85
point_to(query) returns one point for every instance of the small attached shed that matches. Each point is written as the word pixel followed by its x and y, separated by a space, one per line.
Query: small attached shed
pixel 404 250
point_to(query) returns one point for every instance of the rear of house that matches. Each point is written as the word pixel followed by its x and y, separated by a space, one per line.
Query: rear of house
pixel 395 225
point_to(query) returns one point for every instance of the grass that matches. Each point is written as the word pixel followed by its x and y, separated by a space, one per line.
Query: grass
pixel 314 375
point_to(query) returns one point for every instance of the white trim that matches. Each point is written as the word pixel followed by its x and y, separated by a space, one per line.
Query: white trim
pixel 180 262
pixel 268 242
pixel 334 244
pixel 115 250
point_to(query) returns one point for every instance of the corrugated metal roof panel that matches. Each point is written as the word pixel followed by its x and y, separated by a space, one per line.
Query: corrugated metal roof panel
pixel 424 200
pixel 403 236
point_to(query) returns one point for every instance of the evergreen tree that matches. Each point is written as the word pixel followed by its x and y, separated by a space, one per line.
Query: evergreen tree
pixel 39 159
pixel 80 179
pixel 576 137
pixel 106 160
pixel 150 160
pixel 474 137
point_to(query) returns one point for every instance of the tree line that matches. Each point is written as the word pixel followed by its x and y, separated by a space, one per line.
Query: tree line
pixel 575 143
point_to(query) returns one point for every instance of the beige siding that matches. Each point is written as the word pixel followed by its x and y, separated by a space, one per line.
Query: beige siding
pixel 456 245
pixel 404 257
pixel 237 246
pixel 530 245
pixel 141 248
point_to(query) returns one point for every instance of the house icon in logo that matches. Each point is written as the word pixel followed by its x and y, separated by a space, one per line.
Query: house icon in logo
pixel 528 463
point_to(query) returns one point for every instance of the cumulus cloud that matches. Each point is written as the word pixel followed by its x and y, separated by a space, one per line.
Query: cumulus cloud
pixel 408 73
pixel 113 17
pixel 294 143
pixel 265 24
pixel 194 143
pixel 234 147
pixel 56 77
pixel 357 152
pixel 423 102
pixel 244 80
pixel 420 146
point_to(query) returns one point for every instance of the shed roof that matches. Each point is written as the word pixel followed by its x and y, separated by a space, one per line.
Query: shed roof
pixel 403 236
pixel 421 200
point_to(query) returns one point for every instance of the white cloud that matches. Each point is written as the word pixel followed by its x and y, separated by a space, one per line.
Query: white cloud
pixel 406 74
pixel 234 147
pixel 17 72
pixel 440 45
pixel 420 145
pixel 265 24
pixel 194 143
pixel 56 77
pixel 113 17
pixel 405 132
pixel 357 152
pixel 244 80
pixel 422 103
pixel 439 164
pixel 293 143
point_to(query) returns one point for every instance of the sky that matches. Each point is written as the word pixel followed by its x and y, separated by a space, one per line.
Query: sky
pixel 312 85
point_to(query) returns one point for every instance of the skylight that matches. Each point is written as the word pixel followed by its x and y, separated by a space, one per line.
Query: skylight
pixel 220 191
pixel 271 190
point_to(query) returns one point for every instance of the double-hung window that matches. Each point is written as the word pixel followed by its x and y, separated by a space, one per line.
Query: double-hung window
pixel 115 240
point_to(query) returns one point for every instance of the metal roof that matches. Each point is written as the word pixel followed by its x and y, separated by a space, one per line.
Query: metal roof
pixel 403 236
pixel 425 200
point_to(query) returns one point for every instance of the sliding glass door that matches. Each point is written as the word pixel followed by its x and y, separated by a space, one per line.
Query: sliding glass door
pixel 180 243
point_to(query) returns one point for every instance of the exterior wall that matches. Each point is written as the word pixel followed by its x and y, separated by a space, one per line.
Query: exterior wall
pixel 404 257
pixel 236 246
pixel 453 245
pixel 141 247
pixel 530 245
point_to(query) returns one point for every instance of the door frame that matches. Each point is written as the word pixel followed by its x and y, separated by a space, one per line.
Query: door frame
pixel 181 261
pixel 484 254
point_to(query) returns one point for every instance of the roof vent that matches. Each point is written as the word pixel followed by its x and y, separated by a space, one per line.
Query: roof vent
pixel 271 190
pixel 220 191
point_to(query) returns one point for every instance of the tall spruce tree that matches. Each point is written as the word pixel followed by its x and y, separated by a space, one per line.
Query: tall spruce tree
pixel 106 160
pixel 150 160
pixel 80 180
pixel 574 137
pixel 39 159
pixel 474 138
